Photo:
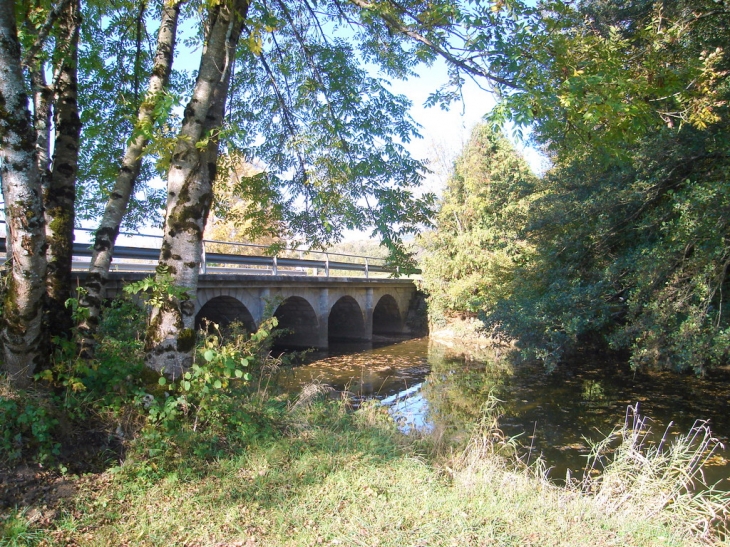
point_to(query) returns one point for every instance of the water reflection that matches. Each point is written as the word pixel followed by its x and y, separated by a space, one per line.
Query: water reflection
pixel 431 387
pixel 365 370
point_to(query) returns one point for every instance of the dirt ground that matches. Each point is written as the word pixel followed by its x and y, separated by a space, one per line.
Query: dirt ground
pixel 39 490
pixel 34 489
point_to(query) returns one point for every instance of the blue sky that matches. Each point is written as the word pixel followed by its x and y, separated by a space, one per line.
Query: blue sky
pixel 445 132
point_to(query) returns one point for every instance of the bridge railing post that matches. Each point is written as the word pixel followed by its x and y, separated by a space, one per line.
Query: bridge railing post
pixel 275 266
pixel 367 269
pixel 203 262
pixel 326 265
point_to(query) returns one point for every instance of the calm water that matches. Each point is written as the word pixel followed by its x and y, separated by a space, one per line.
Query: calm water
pixel 434 388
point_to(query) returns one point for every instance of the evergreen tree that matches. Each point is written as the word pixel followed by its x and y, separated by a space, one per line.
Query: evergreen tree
pixel 479 240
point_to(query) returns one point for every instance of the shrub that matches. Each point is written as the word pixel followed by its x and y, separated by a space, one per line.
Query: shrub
pixel 26 426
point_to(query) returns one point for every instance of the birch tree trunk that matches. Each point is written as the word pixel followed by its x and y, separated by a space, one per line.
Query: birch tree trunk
pixel 22 306
pixel 42 99
pixel 118 201
pixel 170 339
pixel 61 194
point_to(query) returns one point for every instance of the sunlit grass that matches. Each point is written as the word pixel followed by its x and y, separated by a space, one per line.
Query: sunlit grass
pixel 16 530
pixel 342 478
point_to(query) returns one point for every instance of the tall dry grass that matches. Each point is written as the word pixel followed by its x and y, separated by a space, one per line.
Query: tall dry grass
pixel 631 475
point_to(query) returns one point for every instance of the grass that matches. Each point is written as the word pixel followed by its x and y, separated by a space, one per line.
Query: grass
pixel 18 531
pixel 340 478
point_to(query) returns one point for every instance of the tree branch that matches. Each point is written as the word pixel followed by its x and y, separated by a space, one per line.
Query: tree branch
pixel 43 32
pixel 470 68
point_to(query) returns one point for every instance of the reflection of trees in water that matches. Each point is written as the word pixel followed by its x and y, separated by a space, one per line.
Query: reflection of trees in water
pixel 593 391
pixel 458 387
pixel 556 412
pixel 560 409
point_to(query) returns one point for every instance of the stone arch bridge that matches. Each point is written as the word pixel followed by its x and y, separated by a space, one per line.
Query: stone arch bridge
pixel 314 310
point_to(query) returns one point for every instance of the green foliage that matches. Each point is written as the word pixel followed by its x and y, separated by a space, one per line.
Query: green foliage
pixel 158 290
pixel 335 135
pixel 114 64
pixel 633 251
pixel 602 75
pixel 73 391
pixel 624 240
pixel 209 410
pixel 479 239
pixel 123 320
pixel 26 427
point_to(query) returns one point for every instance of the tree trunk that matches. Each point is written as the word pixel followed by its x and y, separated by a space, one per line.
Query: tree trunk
pixel 22 306
pixel 42 99
pixel 170 340
pixel 116 206
pixel 61 195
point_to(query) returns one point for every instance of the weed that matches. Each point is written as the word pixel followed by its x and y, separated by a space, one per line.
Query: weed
pixel 487 441
pixel 16 530
pixel 26 425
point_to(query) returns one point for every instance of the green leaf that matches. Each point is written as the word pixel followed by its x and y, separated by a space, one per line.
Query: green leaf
pixel 217 384
pixel 209 355
pixel 162 381
pixel 186 385
pixel 238 373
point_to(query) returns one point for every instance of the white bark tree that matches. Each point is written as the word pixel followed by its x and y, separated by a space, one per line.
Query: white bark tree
pixel 21 185
pixel 118 201
pixel 171 336
pixel 60 194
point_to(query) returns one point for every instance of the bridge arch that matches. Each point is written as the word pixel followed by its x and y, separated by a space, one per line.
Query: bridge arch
pixel 346 321
pixel 297 315
pixel 224 310
pixel 387 316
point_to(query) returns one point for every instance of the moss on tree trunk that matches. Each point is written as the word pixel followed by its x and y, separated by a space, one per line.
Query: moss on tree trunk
pixel 170 338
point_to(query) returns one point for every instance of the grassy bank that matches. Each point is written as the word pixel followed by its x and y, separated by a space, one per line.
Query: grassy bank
pixel 333 477
pixel 102 453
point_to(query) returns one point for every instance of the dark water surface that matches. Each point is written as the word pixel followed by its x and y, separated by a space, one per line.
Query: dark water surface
pixel 434 388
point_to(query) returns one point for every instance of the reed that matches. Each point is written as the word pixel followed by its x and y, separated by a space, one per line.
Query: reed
pixel 630 475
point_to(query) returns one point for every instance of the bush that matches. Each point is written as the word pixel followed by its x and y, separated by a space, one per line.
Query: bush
pixel 210 411
pixel 26 426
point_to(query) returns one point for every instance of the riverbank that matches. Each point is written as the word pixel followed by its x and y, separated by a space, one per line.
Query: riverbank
pixel 329 476
pixel 460 331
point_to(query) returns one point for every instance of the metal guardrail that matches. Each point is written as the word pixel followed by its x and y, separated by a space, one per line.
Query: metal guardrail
pixel 269 263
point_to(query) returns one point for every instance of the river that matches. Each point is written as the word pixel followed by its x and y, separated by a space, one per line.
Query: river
pixel 441 390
